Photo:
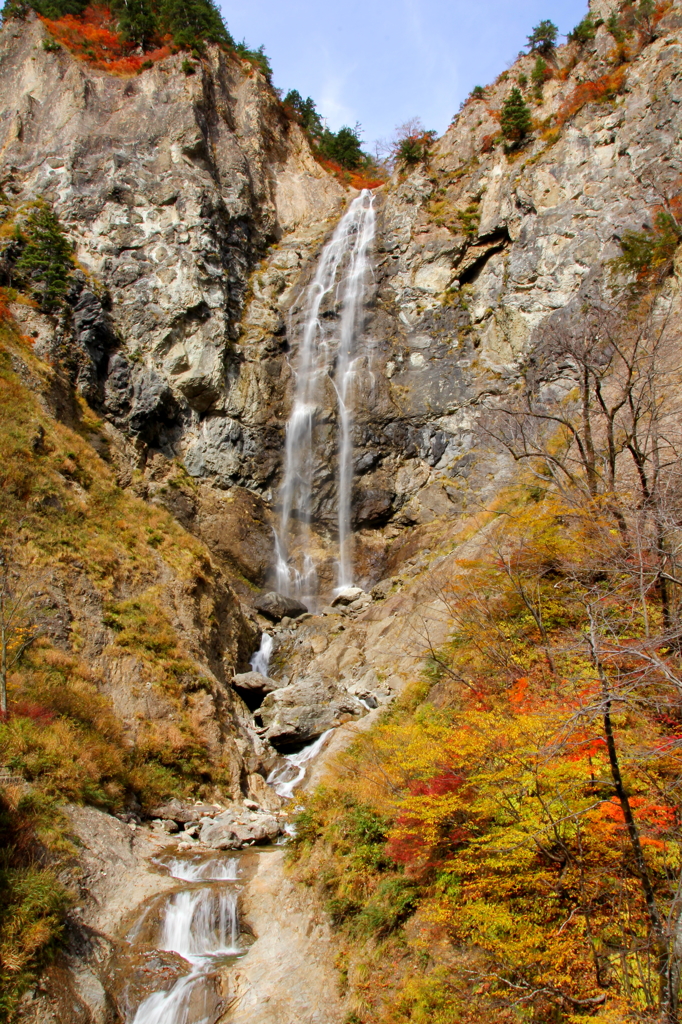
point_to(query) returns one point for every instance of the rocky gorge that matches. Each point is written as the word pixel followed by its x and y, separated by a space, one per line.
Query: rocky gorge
pixel 153 410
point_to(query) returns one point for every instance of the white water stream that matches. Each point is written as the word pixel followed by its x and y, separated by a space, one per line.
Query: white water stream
pixel 329 348
pixel 202 925
pixel 286 777
pixel 260 661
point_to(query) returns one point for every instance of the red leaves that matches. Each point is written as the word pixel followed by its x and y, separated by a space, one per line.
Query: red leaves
pixel 93 37
pixel 36 712
pixel 437 786
pixel 600 89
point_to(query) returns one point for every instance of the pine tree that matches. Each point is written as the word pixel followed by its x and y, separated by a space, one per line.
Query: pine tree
pixel 193 23
pixel 306 110
pixel 515 121
pixel 46 262
pixel 543 37
pixel 137 21
pixel 343 147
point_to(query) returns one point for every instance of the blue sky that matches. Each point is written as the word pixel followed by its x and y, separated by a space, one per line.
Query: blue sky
pixel 381 62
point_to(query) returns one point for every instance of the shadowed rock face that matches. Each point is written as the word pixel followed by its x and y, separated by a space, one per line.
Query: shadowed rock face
pixel 172 187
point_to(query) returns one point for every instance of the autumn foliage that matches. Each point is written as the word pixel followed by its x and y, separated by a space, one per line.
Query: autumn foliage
pixel 527 788
pixel 93 36
pixel 604 88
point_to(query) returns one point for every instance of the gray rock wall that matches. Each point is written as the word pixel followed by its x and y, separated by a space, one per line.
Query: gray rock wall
pixel 202 211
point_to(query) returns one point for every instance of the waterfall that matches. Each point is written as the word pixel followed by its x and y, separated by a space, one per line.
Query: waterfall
pixel 286 777
pixel 202 925
pixel 201 922
pixel 260 662
pixel 200 870
pixel 346 256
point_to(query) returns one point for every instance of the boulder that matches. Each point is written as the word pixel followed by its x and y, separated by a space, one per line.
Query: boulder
pixel 183 814
pixel 347 595
pixel 229 832
pixel 301 712
pixel 276 606
pixel 255 683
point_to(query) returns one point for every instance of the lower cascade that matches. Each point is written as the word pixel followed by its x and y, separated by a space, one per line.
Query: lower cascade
pixel 201 924
pixel 331 351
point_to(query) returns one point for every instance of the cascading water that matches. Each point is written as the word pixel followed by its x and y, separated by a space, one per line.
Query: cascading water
pixel 260 661
pixel 287 776
pixel 346 256
pixel 200 923
pixel 200 870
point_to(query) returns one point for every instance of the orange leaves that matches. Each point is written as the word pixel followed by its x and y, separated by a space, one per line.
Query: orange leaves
pixel 353 178
pixel 600 89
pixel 518 694
pixel 93 37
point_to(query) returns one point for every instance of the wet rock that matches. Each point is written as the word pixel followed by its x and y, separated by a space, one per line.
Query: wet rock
pixel 255 683
pixel 276 606
pixel 347 596
pixel 304 710
pixel 134 975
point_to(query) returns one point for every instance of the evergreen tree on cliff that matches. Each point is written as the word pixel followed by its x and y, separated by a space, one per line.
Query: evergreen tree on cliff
pixel 193 22
pixel 136 20
pixel 515 120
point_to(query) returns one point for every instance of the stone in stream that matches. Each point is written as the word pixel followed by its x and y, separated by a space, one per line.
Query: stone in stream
pixel 228 832
pixel 132 975
pixel 276 606
pixel 304 710
pixel 256 683
pixel 183 814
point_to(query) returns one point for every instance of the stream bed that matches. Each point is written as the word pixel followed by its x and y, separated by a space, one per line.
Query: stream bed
pixel 179 948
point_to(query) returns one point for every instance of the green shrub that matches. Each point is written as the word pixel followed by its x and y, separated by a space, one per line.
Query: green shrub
pixel 192 23
pixel 415 148
pixel 583 32
pixel 515 119
pixel 392 902
pixel 477 93
pixel 51 45
pixel 648 255
pixel 33 902
pixel 469 219
pixel 258 58
pixel 343 147
pixel 188 67
pixel 614 26
pixel 46 261
pixel 305 111
pixel 48 8
pixel 543 38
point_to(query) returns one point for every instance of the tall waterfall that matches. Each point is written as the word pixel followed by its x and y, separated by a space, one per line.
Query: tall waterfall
pixel 328 348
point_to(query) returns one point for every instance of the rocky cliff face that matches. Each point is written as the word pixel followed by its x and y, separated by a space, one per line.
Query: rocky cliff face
pixel 172 187
pixel 201 211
